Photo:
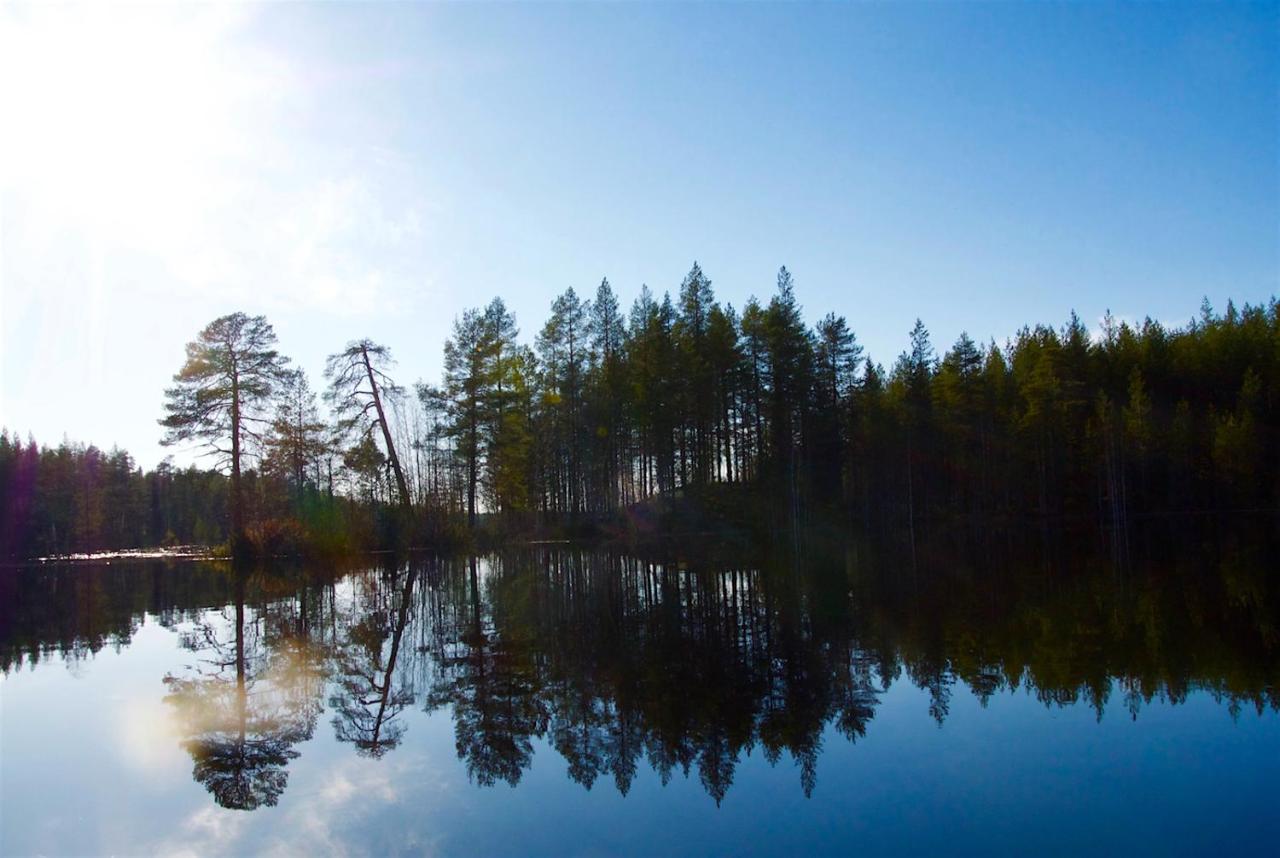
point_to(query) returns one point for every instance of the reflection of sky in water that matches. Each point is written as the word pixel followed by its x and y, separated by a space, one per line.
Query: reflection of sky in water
pixel 93 762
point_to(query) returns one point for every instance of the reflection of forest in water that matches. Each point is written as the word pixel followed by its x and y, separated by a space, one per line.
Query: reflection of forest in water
pixel 681 661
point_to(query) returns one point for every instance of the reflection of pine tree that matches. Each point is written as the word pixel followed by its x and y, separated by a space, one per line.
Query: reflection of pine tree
pixel 622 747
pixel 240 755
pixel 497 702
pixel 717 760
pixel 857 696
pixel 496 714
pixel 935 677
pixel 242 719
pixel 579 732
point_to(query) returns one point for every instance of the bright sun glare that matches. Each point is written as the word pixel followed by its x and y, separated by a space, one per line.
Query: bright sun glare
pixel 121 121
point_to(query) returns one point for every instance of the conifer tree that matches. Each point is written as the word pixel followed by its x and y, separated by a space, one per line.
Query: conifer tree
pixel 220 395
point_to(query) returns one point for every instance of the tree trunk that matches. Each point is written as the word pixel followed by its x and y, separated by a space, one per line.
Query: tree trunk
pixel 472 455
pixel 237 507
pixel 401 484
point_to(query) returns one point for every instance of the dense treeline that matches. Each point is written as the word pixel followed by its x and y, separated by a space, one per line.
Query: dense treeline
pixel 681 407
pixel 76 498
pixel 688 397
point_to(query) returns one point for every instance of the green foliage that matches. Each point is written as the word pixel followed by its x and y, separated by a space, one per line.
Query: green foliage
pixel 685 399
pixel 73 498
pixel 220 395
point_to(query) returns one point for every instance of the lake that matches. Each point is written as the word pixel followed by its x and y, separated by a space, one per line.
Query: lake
pixel 1035 695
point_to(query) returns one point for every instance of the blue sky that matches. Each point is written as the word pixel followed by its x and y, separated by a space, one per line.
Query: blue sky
pixel 373 170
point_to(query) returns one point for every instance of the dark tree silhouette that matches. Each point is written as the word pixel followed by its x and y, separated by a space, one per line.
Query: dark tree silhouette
pixel 688 665
pixel 220 394
pixel 690 416
pixel 359 387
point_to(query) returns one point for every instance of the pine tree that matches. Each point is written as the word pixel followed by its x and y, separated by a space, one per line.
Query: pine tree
pixel 468 357
pixel 563 348
pixel 220 396
pixel 298 436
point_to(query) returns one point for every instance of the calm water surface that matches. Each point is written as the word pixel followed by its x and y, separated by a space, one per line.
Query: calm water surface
pixel 557 701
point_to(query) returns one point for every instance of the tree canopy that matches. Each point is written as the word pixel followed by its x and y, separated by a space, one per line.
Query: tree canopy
pixel 221 393
pixel 683 413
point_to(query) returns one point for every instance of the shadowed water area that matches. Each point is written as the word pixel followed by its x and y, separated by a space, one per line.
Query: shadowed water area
pixel 1045 694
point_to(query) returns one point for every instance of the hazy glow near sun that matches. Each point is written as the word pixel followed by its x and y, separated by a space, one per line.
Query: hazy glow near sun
pixel 122 121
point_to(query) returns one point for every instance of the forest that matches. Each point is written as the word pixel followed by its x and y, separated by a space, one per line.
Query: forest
pixel 681 414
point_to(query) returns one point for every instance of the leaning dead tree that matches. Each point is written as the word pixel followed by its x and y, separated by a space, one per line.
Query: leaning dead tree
pixel 359 391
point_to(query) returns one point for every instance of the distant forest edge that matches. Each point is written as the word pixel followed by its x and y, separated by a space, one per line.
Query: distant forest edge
pixel 683 414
